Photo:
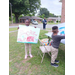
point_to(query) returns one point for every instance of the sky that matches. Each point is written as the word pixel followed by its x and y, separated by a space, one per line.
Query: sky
pixel 53 6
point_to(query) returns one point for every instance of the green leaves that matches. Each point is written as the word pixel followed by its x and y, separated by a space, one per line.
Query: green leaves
pixel 42 16
pixel 44 11
pixel 24 6
pixel 52 15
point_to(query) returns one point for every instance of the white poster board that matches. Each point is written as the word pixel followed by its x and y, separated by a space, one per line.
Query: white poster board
pixel 28 34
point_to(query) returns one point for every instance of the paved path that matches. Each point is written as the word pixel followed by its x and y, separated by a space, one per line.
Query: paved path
pixel 38 26
pixel 13 26
pixel 13 31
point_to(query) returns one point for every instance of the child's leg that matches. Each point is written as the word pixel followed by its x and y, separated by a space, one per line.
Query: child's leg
pixel 29 48
pixel 30 51
pixel 54 53
pixel 26 49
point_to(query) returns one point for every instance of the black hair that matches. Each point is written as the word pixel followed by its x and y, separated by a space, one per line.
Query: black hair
pixel 54 29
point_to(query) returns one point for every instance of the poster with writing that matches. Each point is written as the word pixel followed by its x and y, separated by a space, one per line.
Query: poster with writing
pixel 62 31
pixel 28 34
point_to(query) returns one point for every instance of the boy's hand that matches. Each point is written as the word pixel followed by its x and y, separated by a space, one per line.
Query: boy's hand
pixel 50 43
pixel 34 27
pixel 18 28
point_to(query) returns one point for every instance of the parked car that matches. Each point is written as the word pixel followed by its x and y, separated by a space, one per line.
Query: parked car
pixel 35 22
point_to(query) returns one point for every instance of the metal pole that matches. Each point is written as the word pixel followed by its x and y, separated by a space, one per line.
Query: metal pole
pixel 58 19
pixel 11 13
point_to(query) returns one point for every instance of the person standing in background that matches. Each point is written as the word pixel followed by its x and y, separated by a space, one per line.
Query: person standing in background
pixel 44 23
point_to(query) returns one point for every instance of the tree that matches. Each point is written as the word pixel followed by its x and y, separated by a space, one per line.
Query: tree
pixel 44 11
pixel 52 15
pixel 42 16
pixel 23 7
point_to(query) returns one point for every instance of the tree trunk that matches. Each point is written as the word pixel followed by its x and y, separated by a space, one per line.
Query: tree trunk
pixel 16 16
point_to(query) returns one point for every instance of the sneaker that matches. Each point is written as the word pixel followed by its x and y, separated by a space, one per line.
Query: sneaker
pixel 56 61
pixel 26 56
pixel 30 55
pixel 55 65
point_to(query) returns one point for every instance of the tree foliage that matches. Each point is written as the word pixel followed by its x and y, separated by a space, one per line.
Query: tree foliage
pixel 42 16
pixel 44 11
pixel 23 7
pixel 52 15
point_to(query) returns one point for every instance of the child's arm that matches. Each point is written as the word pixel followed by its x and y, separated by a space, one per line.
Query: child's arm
pixel 61 37
pixel 18 28
pixel 50 43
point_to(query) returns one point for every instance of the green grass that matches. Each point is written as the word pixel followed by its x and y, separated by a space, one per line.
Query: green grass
pixel 12 29
pixel 52 23
pixel 32 66
pixel 49 28
pixel 9 21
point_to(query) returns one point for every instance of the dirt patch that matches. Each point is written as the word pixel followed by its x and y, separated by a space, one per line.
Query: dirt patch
pixel 10 69
pixel 26 59
pixel 10 60
pixel 22 68
pixel 35 69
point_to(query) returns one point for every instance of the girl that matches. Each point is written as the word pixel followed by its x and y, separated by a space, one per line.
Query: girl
pixel 27 45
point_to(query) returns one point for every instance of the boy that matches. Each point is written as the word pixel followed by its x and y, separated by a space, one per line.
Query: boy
pixel 55 45
pixel 27 45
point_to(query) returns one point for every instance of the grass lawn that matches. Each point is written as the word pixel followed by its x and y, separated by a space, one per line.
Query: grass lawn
pixel 32 66
pixel 48 28
pixel 17 24
pixel 52 23
pixel 12 29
